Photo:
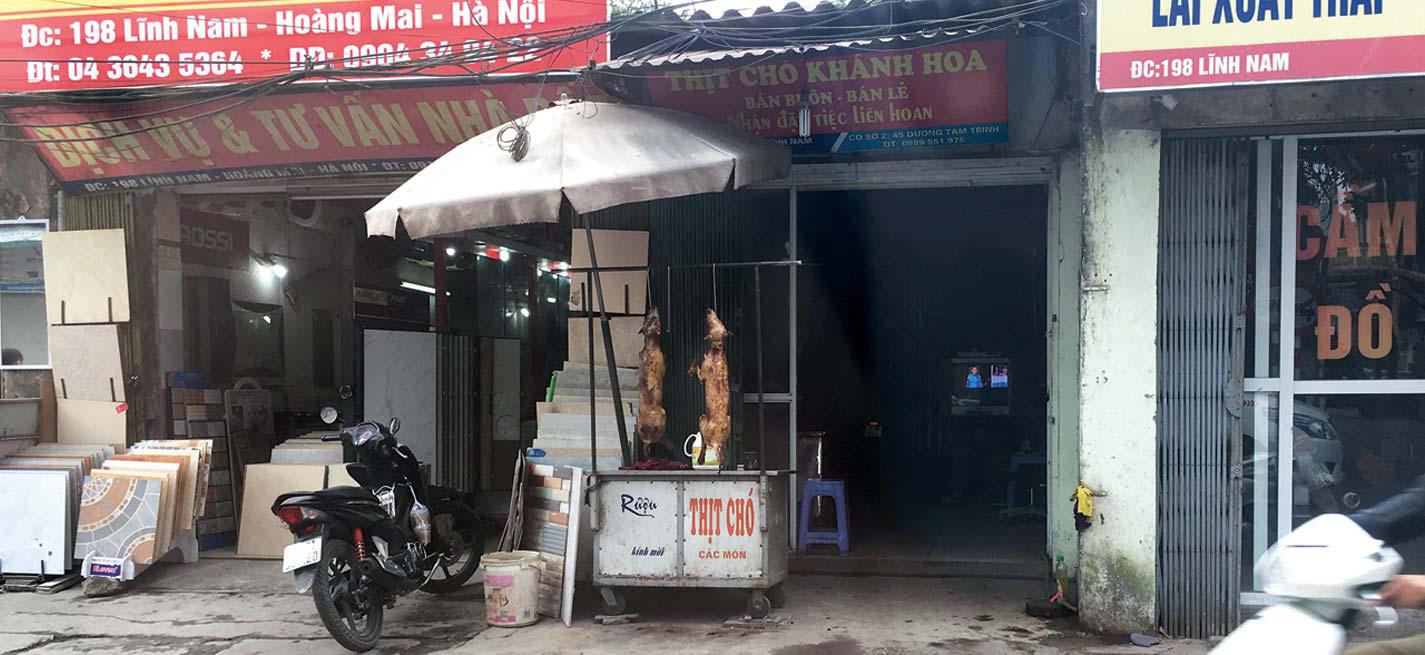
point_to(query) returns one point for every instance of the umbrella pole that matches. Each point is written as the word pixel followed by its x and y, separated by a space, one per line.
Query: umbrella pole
pixel 608 346
pixel 593 388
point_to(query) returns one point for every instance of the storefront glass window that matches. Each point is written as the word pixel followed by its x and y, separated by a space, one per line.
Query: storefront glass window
pixel 1357 386
pixel 24 332
pixel 1367 445
pixel 1360 280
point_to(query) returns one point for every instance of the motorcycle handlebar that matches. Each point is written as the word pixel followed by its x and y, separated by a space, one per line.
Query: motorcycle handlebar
pixel 332 437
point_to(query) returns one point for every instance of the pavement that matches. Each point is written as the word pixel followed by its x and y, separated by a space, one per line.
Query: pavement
pixel 245 607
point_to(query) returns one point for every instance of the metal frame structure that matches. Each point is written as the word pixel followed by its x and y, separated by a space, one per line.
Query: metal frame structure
pixel 1261 384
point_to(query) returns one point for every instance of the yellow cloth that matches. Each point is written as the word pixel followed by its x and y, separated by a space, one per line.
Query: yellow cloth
pixel 1083 500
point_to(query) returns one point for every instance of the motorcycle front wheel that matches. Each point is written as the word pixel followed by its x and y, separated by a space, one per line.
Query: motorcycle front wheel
pixel 349 603
pixel 463 547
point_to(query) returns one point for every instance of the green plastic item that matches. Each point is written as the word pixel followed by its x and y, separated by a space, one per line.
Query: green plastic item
pixel 549 393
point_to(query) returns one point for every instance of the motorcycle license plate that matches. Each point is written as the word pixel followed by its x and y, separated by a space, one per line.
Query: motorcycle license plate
pixel 302 553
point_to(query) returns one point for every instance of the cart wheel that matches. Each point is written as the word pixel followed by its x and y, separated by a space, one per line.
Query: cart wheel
pixel 758 607
pixel 614 603
pixel 777 596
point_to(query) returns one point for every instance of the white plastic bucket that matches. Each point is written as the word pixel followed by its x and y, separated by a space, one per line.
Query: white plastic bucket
pixel 511 588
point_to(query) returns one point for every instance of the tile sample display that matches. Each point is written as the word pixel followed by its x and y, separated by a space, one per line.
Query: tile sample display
pixel 168 474
pixel 118 517
pixel 92 422
pixel 163 530
pixel 86 362
pixel 86 277
pixel 185 499
pixel 36 510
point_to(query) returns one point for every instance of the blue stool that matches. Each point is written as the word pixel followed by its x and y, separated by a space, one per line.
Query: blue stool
pixel 840 537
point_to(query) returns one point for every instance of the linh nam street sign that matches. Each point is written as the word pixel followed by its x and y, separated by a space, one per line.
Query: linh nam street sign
pixel 60 45
pixel 1172 44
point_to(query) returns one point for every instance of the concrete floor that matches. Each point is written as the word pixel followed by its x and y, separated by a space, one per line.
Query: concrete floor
pixel 241 607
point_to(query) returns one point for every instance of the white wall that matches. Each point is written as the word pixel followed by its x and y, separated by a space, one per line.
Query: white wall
pixel 1118 381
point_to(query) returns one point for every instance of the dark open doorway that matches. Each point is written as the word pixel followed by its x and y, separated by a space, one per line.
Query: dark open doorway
pixel 923 360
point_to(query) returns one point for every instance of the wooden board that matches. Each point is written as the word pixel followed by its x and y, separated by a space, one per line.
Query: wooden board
pixel 86 277
pixel 163 528
pixel 92 422
pixel 185 499
pixel 260 534
pixel 86 362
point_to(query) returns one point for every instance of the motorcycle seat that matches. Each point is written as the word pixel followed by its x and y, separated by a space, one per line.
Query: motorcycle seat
pixel 346 493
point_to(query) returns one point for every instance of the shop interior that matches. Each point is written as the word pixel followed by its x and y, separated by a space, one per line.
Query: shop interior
pixel 922 355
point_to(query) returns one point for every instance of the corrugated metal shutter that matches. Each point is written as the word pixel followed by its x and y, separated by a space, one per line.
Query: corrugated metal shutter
pixel 1202 273
pixel 457 419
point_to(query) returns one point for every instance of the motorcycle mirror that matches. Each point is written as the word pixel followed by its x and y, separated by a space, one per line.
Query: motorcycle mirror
pixel 344 391
pixel 329 415
pixel 1351 500
pixel 395 425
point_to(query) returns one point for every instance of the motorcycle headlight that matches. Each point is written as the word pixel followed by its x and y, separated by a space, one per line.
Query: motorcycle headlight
pixel 364 433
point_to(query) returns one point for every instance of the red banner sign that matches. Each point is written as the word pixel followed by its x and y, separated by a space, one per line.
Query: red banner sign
pixel 98 148
pixel 49 45
pixel 935 96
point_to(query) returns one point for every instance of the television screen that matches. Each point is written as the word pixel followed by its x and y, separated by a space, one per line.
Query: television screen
pixel 999 376
pixel 980 386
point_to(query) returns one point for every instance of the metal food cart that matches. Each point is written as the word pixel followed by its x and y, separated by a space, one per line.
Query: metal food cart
pixel 704 529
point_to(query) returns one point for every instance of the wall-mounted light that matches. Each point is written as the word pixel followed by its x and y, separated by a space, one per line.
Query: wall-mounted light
pixel 418 287
pixel 271 266
pixel 450 251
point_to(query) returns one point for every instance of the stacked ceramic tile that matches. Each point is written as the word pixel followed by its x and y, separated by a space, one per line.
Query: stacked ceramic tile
pixel 40 491
pixel 138 505
pixel 260 534
pixel 563 432
pixel 86 300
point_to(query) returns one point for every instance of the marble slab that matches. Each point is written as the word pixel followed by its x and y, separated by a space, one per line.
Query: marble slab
pixel 86 277
pixel 398 382
pixel 36 510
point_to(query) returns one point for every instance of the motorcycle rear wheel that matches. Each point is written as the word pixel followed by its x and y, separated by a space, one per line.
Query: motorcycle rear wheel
pixel 349 603
pixel 462 559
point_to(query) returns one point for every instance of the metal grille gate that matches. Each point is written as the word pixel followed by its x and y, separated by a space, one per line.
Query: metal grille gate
pixel 1202 269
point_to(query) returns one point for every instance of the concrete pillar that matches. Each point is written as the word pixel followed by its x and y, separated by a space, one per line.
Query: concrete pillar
pixel 1065 257
pixel 1118 379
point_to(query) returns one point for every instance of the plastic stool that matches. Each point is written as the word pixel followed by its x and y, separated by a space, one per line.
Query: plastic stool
pixel 840 537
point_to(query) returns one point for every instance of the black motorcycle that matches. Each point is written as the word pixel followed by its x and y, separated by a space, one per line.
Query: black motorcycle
pixel 357 549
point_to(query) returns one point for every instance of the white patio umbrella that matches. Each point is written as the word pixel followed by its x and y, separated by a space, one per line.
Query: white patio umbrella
pixel 595 155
